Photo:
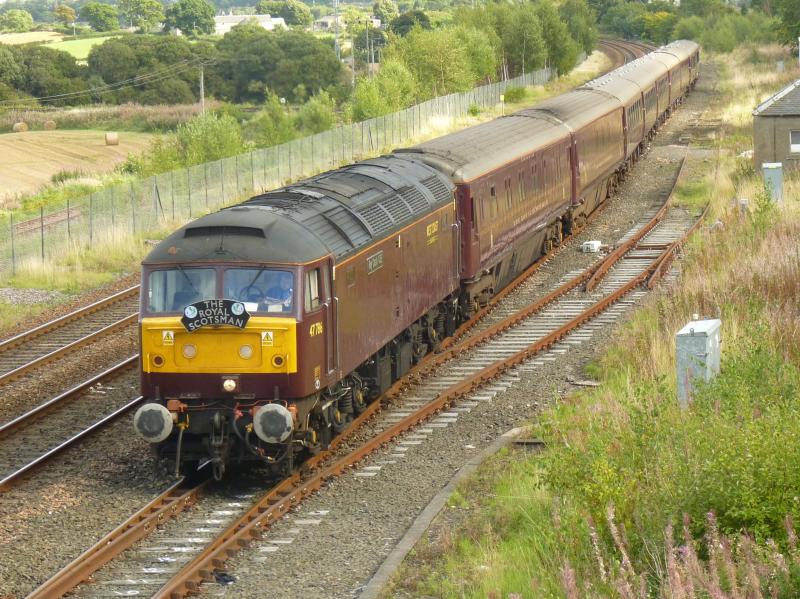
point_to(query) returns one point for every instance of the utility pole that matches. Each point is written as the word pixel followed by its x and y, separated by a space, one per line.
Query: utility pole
pixel 202 90
pixel 336 29
pixel 369 53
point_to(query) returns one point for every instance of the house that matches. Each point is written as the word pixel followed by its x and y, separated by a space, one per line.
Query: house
pixel 225 23
pixel 329 23
pixel 776 129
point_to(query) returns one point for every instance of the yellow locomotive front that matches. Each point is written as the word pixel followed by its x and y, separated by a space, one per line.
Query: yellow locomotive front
pixel 227 366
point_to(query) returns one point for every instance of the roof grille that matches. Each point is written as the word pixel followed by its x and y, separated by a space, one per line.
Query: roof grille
pixel 397 208
pixel 415 199
pixel 377 218
pixel 439 189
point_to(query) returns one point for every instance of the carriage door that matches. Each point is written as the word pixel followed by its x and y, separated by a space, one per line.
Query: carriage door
pixel 329 314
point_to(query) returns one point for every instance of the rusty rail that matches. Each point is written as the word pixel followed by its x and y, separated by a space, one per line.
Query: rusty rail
pixel 66 349
pixel 629 244
pixel 167 505
pixel 48 327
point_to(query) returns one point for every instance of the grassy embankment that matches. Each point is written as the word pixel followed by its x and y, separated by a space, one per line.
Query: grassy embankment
pixel 634 497
pixel 117 251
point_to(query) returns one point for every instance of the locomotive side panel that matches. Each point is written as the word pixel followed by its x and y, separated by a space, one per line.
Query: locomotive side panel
pixel 384 289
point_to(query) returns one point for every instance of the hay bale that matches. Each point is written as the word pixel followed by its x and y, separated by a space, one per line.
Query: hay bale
pixel 112 139
pixel 49 125
pixel 20 127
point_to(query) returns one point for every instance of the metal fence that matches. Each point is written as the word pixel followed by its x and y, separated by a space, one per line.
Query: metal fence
pixel 162 202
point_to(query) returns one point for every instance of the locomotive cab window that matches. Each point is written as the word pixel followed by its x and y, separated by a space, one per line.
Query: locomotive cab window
pixel 260 289
pixel 173 289
pixel 312 300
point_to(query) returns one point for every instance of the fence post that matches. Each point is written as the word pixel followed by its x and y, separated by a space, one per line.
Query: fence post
pixel 91 223
pixel 222 183
pixel 238 185
pixel 13 248
pixel 133 213
pixel 189 188
pixel 172 192
pixel 69 225
pixel 113 210
pixel 252 174
pixel 41 229
pixel 205 183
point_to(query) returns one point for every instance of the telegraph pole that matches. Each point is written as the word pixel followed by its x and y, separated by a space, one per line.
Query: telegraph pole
pixel 336 28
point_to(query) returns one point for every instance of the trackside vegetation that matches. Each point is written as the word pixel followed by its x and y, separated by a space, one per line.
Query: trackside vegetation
pixel 634 497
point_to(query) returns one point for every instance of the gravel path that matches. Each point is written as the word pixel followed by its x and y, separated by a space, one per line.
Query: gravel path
pixel 336 540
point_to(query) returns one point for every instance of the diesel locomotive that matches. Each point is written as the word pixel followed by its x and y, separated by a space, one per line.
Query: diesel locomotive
pixel 267 326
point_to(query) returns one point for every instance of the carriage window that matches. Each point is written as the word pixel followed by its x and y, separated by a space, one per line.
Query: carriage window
pixel 173 289
pixel 260 289
pixel 521 183
pixel 312 290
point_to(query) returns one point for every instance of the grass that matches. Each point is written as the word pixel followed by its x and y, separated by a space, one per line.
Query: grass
pixel 12 314
pixel 114 253
pixel 80 48
pixel 635 497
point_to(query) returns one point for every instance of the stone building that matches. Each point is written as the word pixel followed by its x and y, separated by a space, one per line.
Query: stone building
pixel 776 129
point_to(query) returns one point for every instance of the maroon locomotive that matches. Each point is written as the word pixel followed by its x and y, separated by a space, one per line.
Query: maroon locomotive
pixel 265 327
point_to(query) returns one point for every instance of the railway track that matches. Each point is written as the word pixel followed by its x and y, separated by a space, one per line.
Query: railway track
pixel 33 349
pixel 38 435
pixel 188 550
pixel 623 51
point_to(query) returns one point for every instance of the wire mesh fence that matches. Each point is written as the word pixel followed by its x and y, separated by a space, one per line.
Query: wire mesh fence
pixel 163 201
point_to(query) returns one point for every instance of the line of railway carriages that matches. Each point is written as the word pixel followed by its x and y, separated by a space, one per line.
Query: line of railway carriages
pixel 266 326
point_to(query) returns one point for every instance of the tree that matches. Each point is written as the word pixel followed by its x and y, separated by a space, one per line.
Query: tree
pixel 625 20
pixel 272 126
pixel 100 16
pixel 65 14
pixel 658 26
pixel 144 14
pixel 279 60
pixel 10 68
pixel 580 21
pixel 317 115
pixel 482 51
pixel 292 11
pixel 439 60
pixel 403 24
pixel 788 11
pixel 702 8
pixel 192 17
pixel 392 89
pixel 385 10
pixel 16 20
pixel 561 48
pixel 601 7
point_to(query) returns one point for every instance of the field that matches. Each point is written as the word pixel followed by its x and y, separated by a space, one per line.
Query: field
pixel 80 48
pixel 13 39
pixel 30 159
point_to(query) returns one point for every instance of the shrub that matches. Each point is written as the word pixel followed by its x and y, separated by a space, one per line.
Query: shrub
pixel 515 94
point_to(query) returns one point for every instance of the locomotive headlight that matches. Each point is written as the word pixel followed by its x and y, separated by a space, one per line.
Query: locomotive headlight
pixel 189 351
pixel 229 385
pixel 246 352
